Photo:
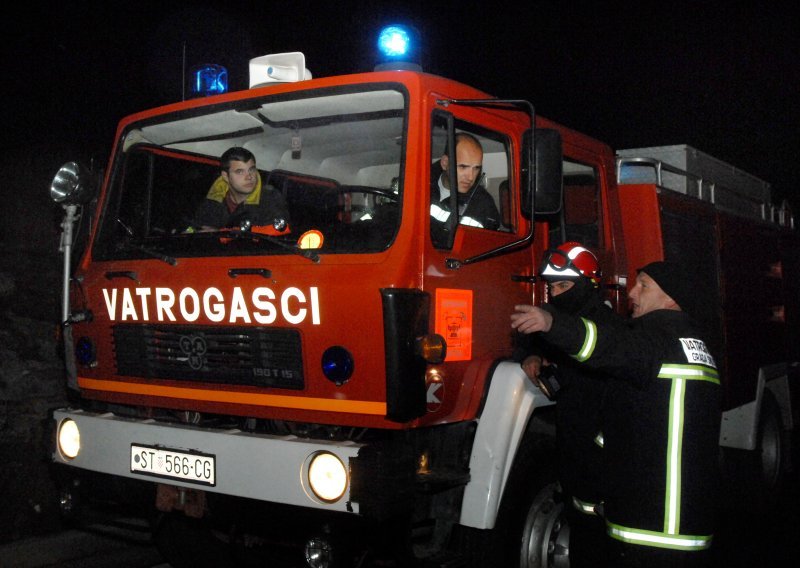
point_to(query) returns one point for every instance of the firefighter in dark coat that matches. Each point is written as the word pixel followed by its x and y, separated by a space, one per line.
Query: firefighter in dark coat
pixel 573 278
pixel 660 423
pixel 238 195
pixel 476 206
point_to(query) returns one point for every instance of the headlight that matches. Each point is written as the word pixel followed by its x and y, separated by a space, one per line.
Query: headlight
pixel 327 476
pixel 69 439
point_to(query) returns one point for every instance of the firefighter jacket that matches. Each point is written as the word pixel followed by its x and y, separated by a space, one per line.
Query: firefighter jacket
pixel 579 403
pixel 476 208
pixel 578 419
pixel 262 207
pixel 661 422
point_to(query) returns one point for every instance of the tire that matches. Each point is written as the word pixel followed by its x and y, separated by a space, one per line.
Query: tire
pixel 755 478
pixel 545 534
pixel 772 449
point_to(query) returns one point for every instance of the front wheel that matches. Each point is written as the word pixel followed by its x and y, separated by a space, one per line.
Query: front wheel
pixel 545 534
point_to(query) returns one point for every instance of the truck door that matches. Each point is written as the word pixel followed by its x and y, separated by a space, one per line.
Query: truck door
pixel 472 299
pixel 482 170
pixel 584 219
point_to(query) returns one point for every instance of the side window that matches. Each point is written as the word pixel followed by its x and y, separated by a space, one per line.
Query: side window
pixel 482 169
pixel 580 218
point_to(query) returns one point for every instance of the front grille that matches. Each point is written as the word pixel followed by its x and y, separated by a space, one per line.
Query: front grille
pixel 252 356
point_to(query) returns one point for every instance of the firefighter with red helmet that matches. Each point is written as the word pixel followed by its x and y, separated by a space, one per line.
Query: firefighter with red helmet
pixel 661 418
pixel 573 278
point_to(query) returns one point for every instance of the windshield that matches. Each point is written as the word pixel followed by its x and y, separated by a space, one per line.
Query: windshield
pixel 326 162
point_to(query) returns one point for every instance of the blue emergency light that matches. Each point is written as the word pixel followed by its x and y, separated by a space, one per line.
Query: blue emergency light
pixel 337 364
pixel 398 48
pixel 208 79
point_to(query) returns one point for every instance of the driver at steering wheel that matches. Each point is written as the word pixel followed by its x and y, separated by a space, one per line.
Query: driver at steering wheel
pixel 238 196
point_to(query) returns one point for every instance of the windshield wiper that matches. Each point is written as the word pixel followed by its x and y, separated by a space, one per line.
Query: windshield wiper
pixel 129 244
pixel 245 231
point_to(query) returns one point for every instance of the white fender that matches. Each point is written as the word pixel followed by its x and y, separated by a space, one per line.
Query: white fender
pixel 739 427
pixel 510 402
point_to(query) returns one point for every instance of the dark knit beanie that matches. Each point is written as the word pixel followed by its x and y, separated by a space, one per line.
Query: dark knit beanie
pixel 675 280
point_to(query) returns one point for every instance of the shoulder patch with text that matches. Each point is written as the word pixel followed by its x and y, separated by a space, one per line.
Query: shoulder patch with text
pixel 696 351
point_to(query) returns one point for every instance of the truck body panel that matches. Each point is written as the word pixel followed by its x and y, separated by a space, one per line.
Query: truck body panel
pixel 742 250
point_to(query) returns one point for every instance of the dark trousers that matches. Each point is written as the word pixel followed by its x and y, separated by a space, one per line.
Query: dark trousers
pixel 587 540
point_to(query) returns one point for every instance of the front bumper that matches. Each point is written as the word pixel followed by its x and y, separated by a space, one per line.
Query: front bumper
pixel 255 466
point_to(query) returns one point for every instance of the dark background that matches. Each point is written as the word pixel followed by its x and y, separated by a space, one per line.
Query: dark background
pixel 717 76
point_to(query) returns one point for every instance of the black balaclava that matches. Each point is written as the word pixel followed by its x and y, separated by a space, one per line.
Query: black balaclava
pixel 574 299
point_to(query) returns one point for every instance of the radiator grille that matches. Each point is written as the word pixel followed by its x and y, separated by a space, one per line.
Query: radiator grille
pixel 262 357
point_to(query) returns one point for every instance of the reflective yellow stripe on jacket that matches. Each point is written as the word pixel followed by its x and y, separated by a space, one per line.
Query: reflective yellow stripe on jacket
pixel 584 507
pixel 670 537
pixel 589 341
pixel 657 539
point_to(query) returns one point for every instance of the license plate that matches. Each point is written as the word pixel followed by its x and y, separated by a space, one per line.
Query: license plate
pixel 193 467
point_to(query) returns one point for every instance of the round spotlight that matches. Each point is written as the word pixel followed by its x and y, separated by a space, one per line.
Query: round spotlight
pixel 69 439
pixel 337 364
pixel 72 185
pixel 327 477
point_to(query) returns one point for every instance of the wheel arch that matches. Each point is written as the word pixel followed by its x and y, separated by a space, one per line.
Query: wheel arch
pixel 739 427
pixel 509 413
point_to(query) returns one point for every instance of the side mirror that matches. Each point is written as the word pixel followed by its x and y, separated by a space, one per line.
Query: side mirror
pixel 72 185
pixel 548 160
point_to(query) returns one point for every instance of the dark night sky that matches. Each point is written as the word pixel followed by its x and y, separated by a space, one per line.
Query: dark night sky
pixel 713 75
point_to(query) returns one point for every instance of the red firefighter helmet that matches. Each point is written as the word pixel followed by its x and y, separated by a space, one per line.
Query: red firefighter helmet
pixel 569 261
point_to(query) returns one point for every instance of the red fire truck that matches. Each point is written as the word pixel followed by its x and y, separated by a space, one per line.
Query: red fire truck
pixel 337 386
